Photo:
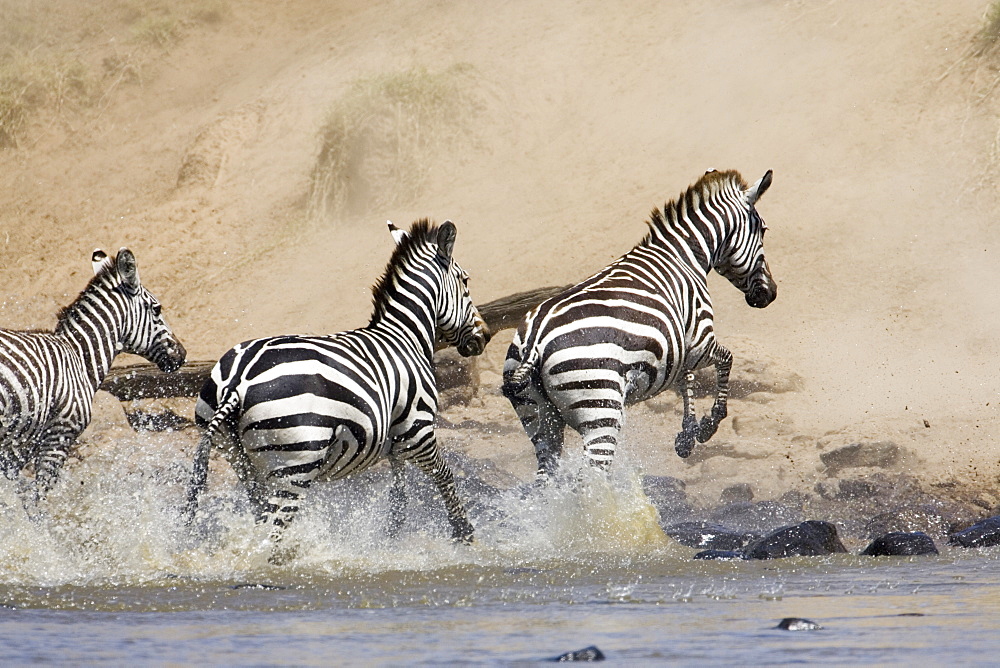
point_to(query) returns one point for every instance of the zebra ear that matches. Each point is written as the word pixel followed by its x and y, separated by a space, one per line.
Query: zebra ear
pixel 756 190
pixel 127 268
pixel 397 234
pixel 446 239
pixel 100 260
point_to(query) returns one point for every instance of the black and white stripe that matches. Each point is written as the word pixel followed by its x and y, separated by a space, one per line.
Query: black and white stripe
pixel 641 325
pixel 48 379
pixel 289 410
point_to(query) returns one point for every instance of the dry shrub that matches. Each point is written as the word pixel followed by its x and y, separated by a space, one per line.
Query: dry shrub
pixel 378 141
pixel 54 54
pixel 989 34
pixel 30 83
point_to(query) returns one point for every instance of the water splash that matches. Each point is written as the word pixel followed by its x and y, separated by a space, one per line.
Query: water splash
pixel 114 517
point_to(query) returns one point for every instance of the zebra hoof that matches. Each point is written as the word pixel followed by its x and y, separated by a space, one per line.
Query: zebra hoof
pixel 684 444
pixel 462 535
pixel 707 429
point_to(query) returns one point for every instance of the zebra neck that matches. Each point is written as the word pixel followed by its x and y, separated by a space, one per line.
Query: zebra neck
pixel 91 327
pixel 698 242
pixel 407 317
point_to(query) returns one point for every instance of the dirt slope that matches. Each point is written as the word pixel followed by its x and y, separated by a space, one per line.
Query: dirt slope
pixel 589 114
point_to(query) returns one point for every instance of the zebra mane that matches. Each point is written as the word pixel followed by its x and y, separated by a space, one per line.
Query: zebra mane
pixel 65 311
pixel 706 188
pixel 418 235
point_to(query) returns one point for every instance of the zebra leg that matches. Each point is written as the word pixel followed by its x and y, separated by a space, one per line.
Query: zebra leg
pixel 544 426
pixel 397 497
pixel 50 459
pixel 199 477
pixel 710 423
pixel 282 505
pixel 684 443
pixel 216 429
pixel 600 436
pixel 434 466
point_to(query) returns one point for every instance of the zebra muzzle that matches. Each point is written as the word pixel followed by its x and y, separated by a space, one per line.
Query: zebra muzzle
pixel 761 294
pixel 172 357
pixel 476 344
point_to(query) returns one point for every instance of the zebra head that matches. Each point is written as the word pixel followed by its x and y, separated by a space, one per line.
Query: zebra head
pixel 458 321
pixel 144 331
pixel 742 262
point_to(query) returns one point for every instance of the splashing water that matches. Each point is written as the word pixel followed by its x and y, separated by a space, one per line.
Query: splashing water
pixel 114 517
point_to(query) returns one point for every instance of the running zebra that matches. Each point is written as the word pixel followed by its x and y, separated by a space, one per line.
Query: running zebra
pixel 48 379
pixel 640 325
pixel 289 410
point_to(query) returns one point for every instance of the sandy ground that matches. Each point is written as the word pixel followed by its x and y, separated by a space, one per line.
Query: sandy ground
pixel 878 126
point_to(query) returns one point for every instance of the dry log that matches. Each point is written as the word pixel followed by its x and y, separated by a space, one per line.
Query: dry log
pixel 145 381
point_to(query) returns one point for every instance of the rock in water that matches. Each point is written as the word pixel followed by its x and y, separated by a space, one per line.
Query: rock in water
pixel 586 654
pixel 812 538
pixel 719 555
pixel 708 535
pixel 985 533
pixel 901 544
pixel 797 624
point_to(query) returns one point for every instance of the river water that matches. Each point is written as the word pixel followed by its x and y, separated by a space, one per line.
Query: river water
pixel 110 575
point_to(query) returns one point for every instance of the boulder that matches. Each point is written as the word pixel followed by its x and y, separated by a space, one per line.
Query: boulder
pixel 668 496
pixel 985 533
pixel 901 544
pixel 591 653
pixel 708 535
pixel 738 493
pixel 812 538
pixel 877 454
pixel 719 555
pixel 758 516
pixel 797 624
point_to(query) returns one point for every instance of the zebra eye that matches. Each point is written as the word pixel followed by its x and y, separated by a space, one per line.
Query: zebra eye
pixel 156 310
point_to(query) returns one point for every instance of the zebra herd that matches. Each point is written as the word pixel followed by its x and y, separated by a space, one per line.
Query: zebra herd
pixel 286 411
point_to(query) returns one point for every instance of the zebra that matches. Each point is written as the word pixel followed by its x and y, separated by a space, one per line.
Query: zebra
pixel 290 410
pixel 641 325
pixel 48 379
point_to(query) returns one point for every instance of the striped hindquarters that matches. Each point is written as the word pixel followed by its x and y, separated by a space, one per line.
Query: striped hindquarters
pixel 314 406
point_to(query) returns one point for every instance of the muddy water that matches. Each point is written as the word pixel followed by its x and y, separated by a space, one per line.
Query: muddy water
pixel 111 575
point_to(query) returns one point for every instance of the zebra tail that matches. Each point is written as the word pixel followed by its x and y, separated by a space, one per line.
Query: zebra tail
pixel 199 472
pixel 521 376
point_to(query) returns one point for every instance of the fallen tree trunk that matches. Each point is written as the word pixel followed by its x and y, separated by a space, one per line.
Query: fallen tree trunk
pixel 145 381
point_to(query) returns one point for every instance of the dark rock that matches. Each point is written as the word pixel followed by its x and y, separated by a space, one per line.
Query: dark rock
pixel 708 535
pixel 719 555
pixel 925 518
pixel 797 624
pixel 664 490
pixel 985 533
pixel 738 493
pixel 758 517
pixel 857 488
pixel 794 500
pixel 900 544
pixel 879 454
pixel 812 538
pixel 668 496
pixel 591 653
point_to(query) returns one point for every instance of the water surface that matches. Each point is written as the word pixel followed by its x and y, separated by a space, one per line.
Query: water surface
pixel 111 575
